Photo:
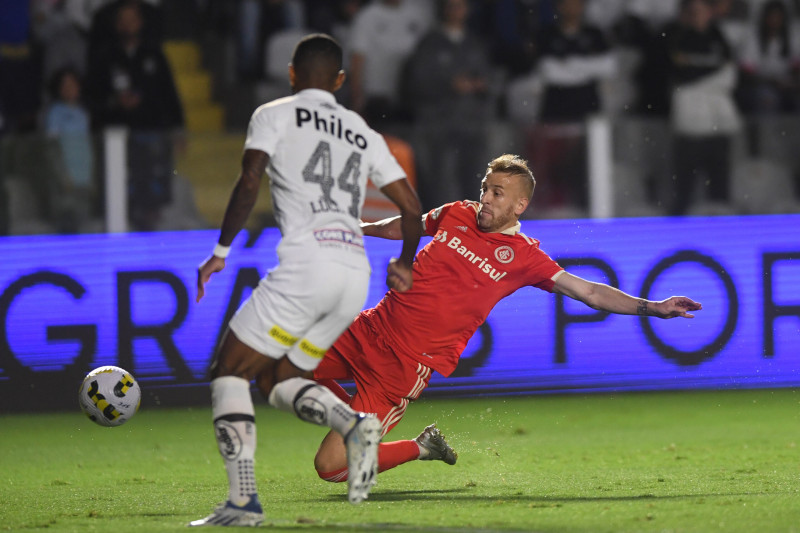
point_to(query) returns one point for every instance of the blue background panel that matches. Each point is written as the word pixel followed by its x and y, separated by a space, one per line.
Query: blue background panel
pixel 70 303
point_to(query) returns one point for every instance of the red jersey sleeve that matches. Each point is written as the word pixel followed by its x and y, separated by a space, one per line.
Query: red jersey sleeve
pixel 542 270
pixel 434 217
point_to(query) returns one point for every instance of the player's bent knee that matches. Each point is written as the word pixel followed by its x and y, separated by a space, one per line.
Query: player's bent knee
pixel 329 466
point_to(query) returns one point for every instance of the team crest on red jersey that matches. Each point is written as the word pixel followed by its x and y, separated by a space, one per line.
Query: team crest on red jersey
pixel 504 254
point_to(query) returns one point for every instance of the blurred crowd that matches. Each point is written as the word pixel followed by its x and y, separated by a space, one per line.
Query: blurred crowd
pixel 715 77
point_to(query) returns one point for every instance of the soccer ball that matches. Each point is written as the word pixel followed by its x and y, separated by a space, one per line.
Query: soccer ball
pixel 109 396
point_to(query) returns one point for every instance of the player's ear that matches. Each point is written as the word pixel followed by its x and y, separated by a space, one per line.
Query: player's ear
pixel 292 75
pixel 522 205
pixel 340 77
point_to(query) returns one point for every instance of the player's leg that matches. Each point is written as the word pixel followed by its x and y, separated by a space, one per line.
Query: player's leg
pixel 288 390
pixel 251 348
pixel 233 414
pixel 340 296
pixel 356 356
pixel 430 445
pixel 358 432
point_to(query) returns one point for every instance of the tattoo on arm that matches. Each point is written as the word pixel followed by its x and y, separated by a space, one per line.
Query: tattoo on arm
pixel 641 308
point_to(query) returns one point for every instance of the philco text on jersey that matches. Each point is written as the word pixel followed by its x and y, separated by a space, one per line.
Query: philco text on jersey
pixel 332 126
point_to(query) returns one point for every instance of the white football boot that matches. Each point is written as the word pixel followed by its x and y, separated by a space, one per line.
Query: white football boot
pixel 362 457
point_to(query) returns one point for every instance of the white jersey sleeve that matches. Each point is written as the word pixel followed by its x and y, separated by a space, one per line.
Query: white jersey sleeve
pixel 385 167
pixel 263 132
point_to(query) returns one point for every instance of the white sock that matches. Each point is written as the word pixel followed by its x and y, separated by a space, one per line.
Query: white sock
pixel 235 429
pixel 313 403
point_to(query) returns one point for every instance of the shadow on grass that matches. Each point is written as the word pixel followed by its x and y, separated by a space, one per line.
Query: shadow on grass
pixel 467 494
pixel 379 526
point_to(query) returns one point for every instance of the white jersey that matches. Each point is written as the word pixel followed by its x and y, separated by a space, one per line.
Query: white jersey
pixel 320 156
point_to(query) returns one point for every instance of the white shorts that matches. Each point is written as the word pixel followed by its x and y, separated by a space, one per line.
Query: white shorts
pixel 300 309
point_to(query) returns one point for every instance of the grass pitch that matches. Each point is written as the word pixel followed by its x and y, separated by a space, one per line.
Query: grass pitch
pixel 684 461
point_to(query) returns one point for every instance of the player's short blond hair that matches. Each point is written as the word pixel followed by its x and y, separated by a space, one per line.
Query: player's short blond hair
pixel 516 166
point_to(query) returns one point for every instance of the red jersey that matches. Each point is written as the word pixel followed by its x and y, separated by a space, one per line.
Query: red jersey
pixel 458 278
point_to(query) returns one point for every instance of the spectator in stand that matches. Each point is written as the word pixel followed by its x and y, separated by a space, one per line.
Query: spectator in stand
pixel 103 32
pixel 61 41
pixel 509 27
pixel 131 84
pixel 770 63
pixel 448 82
pixel 384 34
pixel 67 122
pixel 642 27
pixel 342 24
pixel 703 113
pixel 259 20
pixel 20 79
pixel 342 30
pixel 574 57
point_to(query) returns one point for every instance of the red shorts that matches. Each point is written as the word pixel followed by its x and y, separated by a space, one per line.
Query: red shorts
pixel 385 383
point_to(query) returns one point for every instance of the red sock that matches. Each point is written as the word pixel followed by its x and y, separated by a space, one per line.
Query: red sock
pixel 390 455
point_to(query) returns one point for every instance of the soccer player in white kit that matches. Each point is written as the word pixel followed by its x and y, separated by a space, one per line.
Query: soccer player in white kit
pixel 318 156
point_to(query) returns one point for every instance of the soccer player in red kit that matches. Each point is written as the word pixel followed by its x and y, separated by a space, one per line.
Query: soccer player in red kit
pixel 476 258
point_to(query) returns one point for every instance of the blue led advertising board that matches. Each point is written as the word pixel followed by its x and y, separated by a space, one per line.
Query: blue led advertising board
pixel 70 303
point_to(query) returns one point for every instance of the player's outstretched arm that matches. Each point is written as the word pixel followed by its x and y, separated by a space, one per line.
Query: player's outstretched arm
pixel 241 202
pixel 388 228
pixel 606 298
pixel 399 271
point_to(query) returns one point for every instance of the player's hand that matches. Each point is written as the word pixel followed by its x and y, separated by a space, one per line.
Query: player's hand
pixel 398 275
pixel 211 265
pixel 676 306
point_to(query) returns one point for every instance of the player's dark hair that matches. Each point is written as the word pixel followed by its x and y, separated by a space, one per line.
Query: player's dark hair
pixel 317 54
pixel 516 166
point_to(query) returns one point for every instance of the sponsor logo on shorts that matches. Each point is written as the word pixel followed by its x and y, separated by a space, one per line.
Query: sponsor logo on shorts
pixel 504 254
pixel 338 235
pixel 282 336
pixel 311 350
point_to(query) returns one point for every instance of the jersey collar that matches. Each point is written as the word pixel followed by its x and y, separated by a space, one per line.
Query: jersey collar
pixel 513 230
pixel 318 94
